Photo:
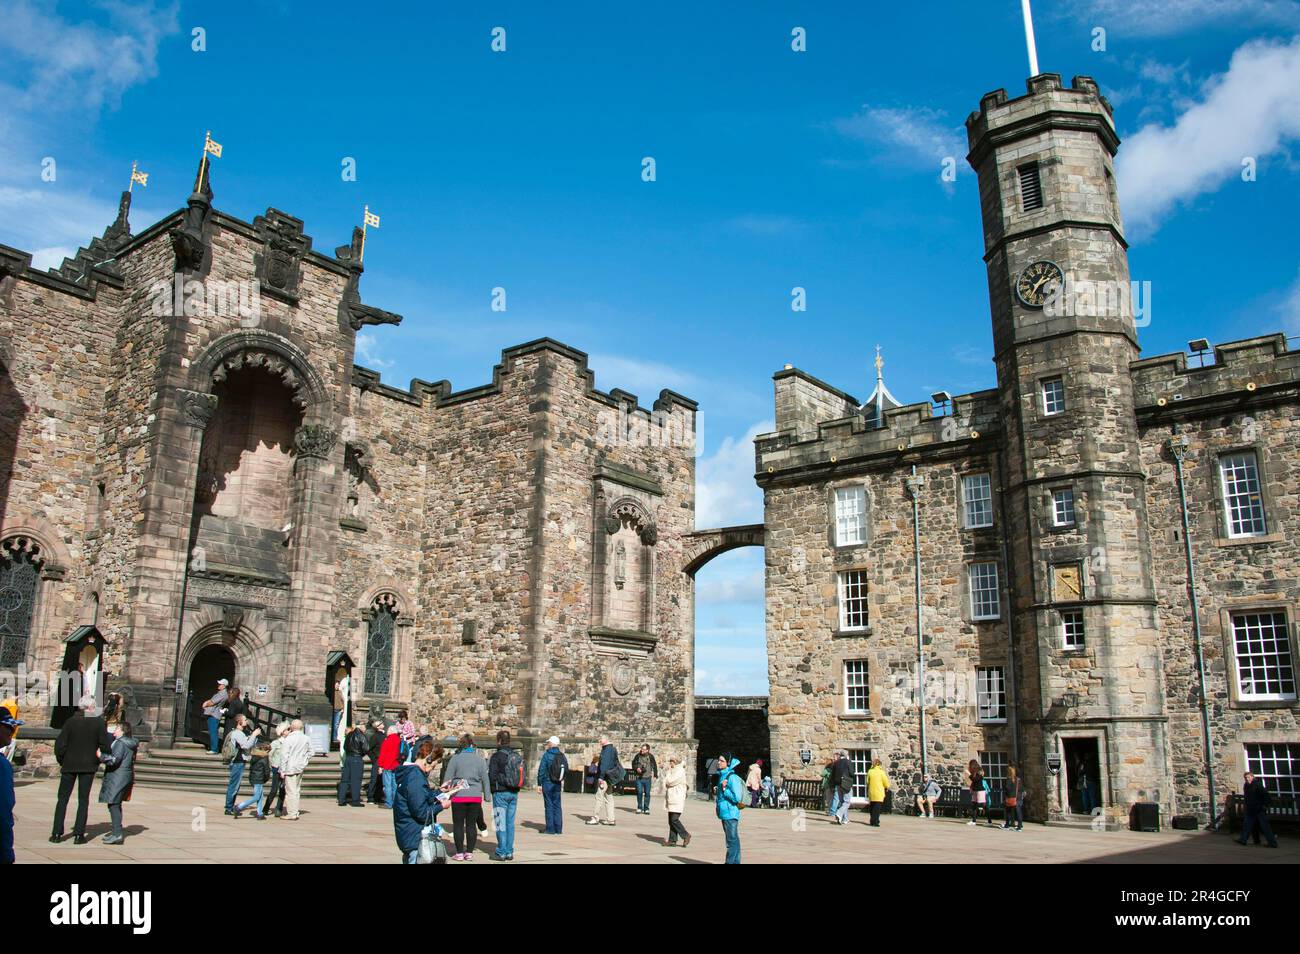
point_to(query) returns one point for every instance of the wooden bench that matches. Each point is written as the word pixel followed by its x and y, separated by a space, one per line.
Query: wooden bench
pixel 1282 809
pixel 805 792
pixel 956 801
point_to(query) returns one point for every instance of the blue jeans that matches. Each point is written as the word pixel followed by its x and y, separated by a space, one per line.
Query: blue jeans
pixel 214 736
pixel 411 857
pixel 255 800
pixel 835 801
pixel 643 793
pixel 503 817
pixel 236 776
pixel 334 724
pixel 390 787
pixel 842 807
pixel 551 801
pixel 731 829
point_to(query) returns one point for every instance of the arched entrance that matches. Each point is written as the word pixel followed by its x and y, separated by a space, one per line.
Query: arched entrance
pixel 211 663
pixel 720 718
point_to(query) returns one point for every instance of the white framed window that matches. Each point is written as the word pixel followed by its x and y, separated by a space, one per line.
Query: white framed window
pixel 1053 390
pixel 853 600
pixel 1278 765
pixel 1265 668
pixel 985 601
pixel 1072 628
pixel 861 759
pixel 857 693
pixel 995 769
pixel 977 500
pixel 850 516
pixel 1063 507
pixel 1243 504
pixel 991 694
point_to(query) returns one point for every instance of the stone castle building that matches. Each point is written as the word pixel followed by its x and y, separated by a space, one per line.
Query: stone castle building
pixel 1057 630
pixel 196 481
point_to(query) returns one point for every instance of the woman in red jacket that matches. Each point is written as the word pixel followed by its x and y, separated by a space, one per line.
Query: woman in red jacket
pixel 390 759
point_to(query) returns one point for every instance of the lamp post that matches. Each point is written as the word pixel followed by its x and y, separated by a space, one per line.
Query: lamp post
pixel 1178 445
pixel 915 484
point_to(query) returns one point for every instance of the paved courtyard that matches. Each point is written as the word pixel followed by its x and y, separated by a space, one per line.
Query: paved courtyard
pixel 173 826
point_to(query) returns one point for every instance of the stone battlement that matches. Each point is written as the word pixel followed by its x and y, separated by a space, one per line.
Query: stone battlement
pixel 1044 93
pixel 804 443
pixel 440 393
pixel 1253 369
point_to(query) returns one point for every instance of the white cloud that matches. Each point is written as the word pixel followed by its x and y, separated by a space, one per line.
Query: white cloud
pixel 645 379
pixel 725 492
pixel 1252 110
pixel 1167 17
pixel 85 61
pixel 55 222
pixel 369 354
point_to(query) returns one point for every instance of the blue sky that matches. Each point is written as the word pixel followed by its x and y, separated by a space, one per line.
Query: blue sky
pixel 522 170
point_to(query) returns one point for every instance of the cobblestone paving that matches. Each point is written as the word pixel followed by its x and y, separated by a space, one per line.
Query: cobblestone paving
pixel 173 826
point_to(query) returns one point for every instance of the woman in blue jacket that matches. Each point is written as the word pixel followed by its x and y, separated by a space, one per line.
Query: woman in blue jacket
pixel 415 804
pixel 731 798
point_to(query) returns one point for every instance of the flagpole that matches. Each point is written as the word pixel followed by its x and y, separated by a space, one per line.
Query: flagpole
pixel 1029 37
pixel 203 164
pixel 365 216
pixel 131 184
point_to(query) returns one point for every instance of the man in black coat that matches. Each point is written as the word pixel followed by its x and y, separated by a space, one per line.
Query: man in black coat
pixel 77 749
pixel 355 748
pixel 375 739
pixel 1256 799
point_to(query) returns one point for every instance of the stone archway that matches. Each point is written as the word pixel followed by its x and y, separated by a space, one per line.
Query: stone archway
pixel 703 545
pixel 698 549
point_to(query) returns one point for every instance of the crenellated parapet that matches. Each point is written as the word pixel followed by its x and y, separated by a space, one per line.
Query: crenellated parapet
pixel 1248 373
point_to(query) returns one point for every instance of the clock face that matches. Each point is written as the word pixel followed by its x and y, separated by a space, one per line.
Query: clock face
pixel 1038 282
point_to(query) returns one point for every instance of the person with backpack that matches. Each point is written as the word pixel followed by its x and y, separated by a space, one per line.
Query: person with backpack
pixel 506 774
pixel 646 770
pixel 676 788
pixel 551 771
pixel 979 793
pixel 731 799
pixel 355 746
pixel 931 791
pixel 609 775
pixel 259 773
pixel 842 779
pixel 234 752
pixel 469 769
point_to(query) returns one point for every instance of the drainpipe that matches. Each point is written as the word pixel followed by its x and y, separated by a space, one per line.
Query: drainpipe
pixel 914 485
pixel 1178 445
pixel 1013 710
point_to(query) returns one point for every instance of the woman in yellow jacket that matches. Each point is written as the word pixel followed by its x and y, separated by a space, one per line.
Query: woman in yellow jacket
pixel 877 785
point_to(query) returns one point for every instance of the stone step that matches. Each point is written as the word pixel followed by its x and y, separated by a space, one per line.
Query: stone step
pixel 190 766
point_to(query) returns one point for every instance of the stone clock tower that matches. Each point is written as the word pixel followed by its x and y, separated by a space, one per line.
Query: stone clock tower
pixel 1082 599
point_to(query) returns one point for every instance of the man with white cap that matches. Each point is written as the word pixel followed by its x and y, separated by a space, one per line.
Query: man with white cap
pixel 550 782
pixel 214 709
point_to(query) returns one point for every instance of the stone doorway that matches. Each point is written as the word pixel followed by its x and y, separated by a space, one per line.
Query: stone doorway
pixel 210 664
pixel 1082 775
